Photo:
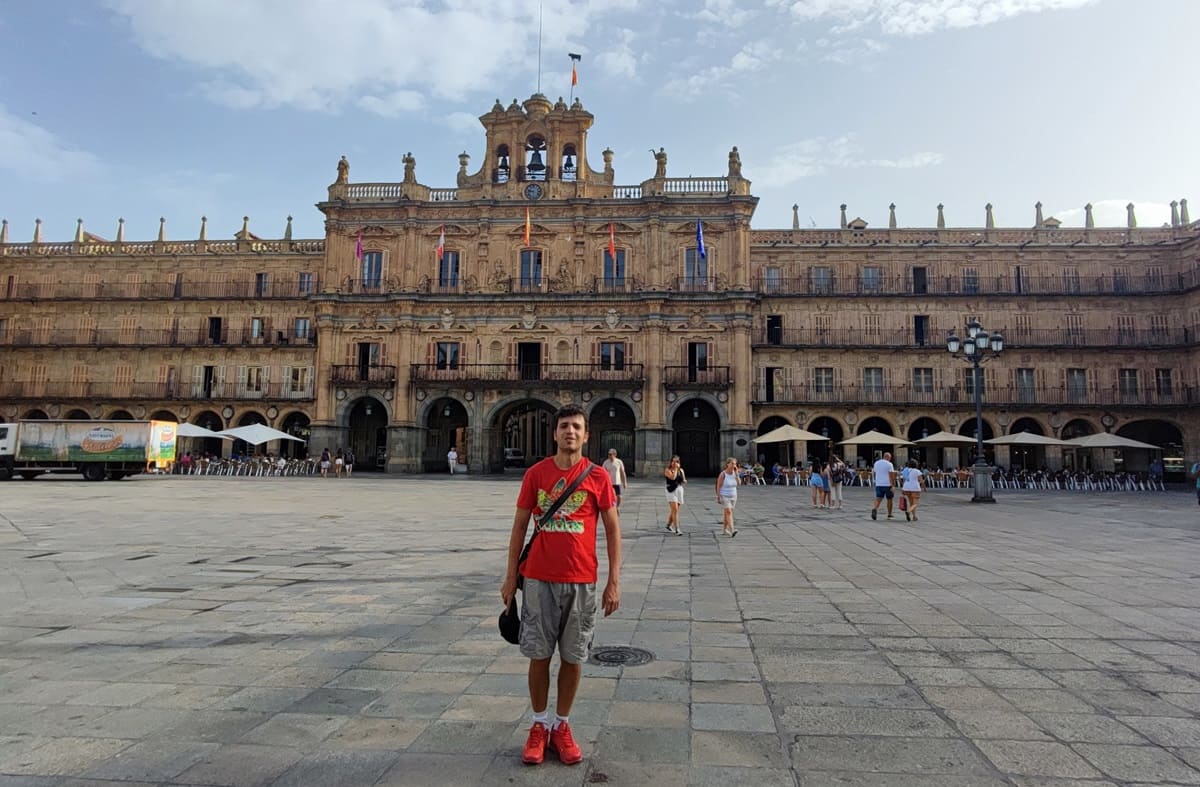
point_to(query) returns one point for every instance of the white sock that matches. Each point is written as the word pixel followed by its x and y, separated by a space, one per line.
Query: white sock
pixel 543 717
pixel 558 720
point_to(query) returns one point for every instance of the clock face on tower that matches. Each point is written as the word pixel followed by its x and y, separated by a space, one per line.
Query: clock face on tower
pixel 533 191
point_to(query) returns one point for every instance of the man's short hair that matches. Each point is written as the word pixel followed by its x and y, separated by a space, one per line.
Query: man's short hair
pixel 569 410
pixel 612 452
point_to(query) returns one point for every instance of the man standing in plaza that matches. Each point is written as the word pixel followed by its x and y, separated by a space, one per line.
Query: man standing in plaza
pixel 558 605
pixel 885 479
pixel 452 459
pixel 616 473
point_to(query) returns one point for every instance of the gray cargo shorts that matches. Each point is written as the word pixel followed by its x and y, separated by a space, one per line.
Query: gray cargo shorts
pixel 557 613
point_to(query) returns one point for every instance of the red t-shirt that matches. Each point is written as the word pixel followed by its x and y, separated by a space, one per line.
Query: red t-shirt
pixel 565 549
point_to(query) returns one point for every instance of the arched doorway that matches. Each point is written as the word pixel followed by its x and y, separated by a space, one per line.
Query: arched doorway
pixel 211 446
pixel 163 415
pixel 926 455
pixel 526 433
pixel 367 434
pixel 120 415
pixel 296 424
pixel 770 453
pixel 78 415
pixel 969 453
pixel 1073 458
pixel 445 428
pixel 241 447
pixel 824 451
pixel 864 455
pixel 36 415
pixel 1026 457
pixel 612 424
pixel 697 428
pixel 1155 432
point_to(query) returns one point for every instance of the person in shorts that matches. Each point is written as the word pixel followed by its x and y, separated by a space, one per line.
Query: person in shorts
pixel 912 483
pixel 616 473
pixel 676 480
pixel 349 456
pixel 558 605
pixel 325 463
pixel 452 460
pixel 727 484
pixel 885 478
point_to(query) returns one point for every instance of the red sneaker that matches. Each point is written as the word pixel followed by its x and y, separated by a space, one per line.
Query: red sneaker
pixel 562 742
pixel 535 744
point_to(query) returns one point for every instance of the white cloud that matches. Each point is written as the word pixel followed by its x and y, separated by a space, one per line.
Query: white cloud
pixel 324 54
pixel 620 60
pixel 754 56
pixel 31 151
pixel 917 17
pixel 463 123
pixel 818 155
pixel 1111 213
pixel 397 103
pixel 726 13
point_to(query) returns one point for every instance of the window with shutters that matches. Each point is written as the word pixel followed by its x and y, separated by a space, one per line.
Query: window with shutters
pixel 821 325
pixel 262 285
pixel 922 380
pixel 612 356
pixel 1071 280
pixel 1025 381
pixel 127 330
pixel 447 355
pixel 970 280
pixel 820 280
pixel 823 380
pixel 372 270
pixel 1120 279
pixel 1159 329
pixel 614 270
pixel 305 283
pixel 1154 279
pixel 871 279
pixel 91 285
pixel 1127 383
pixel 41 330
pixel 871 325
pixel 1163 382
pixel 122 380
pixel 3 329
pixel 79 380
pixel 1125 329
pixel 772 279
pixel 872 378
pixel 531 269
pixel 256 328
pixel 38 375
pixel 255 380
pixel 133 285
pixel 303 328
pixel 1074 328
pixel 695 270
pixel 1022 329
pixel 300 380
pixel 971 378
pixel 448 270
pixel 1077 385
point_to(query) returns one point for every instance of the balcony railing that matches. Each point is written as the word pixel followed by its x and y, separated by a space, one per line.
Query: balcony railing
pixel 59 390
pixel 696 376
pixel 628 375
pixel 362 374
pixel 1013 338
pixel 150 337
pixel 1005 283
pixel 251 289
pixel 694 284
pixel 1006 396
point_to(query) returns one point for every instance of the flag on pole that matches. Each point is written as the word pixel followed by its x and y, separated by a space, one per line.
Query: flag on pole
pixel 441 247
pixel 358 250
pixel 612 242
pixel 700 240
pixel 527 226
pixel 574 74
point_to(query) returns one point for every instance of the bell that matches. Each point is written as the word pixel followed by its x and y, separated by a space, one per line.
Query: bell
pixel 569 163
pixel 535 162
pixel 504 162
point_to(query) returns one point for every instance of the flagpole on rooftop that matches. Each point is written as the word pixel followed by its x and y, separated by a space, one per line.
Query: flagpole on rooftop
pixel 574 75
pixel 539 81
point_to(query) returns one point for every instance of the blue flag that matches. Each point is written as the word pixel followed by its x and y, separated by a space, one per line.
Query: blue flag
pixel 700 240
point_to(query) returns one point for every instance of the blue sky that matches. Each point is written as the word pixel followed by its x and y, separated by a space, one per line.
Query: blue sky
pixel 182 108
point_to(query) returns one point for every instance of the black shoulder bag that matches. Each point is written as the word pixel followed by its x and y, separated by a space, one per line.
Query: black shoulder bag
pixel 510 623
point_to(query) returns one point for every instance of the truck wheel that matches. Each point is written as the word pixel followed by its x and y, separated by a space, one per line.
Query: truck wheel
pixel 29 475
pixel 94 472
pixel 5 472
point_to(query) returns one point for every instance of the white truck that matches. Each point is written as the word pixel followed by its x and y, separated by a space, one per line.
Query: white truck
pixel 95 449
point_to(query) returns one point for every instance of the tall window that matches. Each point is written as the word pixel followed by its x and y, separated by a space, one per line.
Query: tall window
pixel 372 269
pixel 447 355
pixel 775 329
pixel 1127 382
pixel 823 379
pixel 821 324
pixel 697 360
pixel 1071 280
pixel 448 269
pixel 614 270
pixel 772 280
pixel 1025 381
pixel 1120 279
pixel 695 269
pixel 922 380
pixel 871 324
pixel 303 327
pixel 1154 279
pixel 256 379
pixel 1074 328
pixel 1163 383
pixel 873 380
pixel 612 356
pixel 970 280
pixel 531 268
pixel 256 327
pixel 1158 327
pixel 820 280
pixel 872 279
pixel 1125 331
pixel 301 379
pixel 305 283
pixel 971 377
pixel 1077 385
pixel 262 284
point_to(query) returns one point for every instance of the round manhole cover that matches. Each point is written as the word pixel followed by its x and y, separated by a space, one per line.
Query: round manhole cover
pixel 620 656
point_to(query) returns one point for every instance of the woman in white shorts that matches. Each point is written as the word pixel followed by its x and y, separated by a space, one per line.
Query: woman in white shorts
pixel 676 480
pixel 727 484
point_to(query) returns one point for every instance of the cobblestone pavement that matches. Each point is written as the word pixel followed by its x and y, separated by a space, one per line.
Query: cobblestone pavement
pixel 331 632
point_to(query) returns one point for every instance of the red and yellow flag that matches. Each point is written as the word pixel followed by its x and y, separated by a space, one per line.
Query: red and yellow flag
pixel 612 242
pixel 527 227
pixel 574 75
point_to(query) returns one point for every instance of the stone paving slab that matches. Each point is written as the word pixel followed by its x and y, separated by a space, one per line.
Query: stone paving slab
pixel 304 632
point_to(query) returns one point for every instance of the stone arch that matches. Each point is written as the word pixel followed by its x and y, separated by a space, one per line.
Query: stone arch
pixel 213 446
pixel 927 455
pixel 1155 431
pixel 968 453
pixel 523 423
pixel 297 424
pixel 163 415
pixel 80 415
pixel 366 420
pixel 832 428
pixel 120 415
pixel 35 415
pixel 612 423
pixel 696 424
pixel 772 452
pixel 1027 424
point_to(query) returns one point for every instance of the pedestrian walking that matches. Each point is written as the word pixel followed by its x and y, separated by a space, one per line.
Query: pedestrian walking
pixel 885 478
pixel 727 484
pixel 339 462
pixel 325 462
pixel 616 473
pixel 558 603
pixel 912 483
pixel 837 474
pixel 452 460
pixel 676 481
pixel 349 462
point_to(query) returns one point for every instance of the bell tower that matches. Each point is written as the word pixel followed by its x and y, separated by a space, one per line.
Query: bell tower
pixel 536 150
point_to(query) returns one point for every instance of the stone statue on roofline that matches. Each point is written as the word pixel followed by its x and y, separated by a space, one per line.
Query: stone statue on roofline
pixel 343 170
pixel 735 163
pixel 410 168
pixel 660 163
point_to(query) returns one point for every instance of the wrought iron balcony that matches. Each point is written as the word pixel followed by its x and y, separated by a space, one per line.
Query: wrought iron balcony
pixel 109 390
pixel 984 282
pixel 1028 397
pixel 371 375
pixel 246 289
pixel 849 338
pixel 696 377
pixel 571 375
pixel 150 337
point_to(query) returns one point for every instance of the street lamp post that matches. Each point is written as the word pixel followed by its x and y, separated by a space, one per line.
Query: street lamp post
pixel 977 347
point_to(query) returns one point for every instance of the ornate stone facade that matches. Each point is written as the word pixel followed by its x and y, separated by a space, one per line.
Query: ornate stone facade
pixel 430 317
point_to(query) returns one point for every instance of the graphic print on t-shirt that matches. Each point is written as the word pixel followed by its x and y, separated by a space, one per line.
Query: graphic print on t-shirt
pixel 561 522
